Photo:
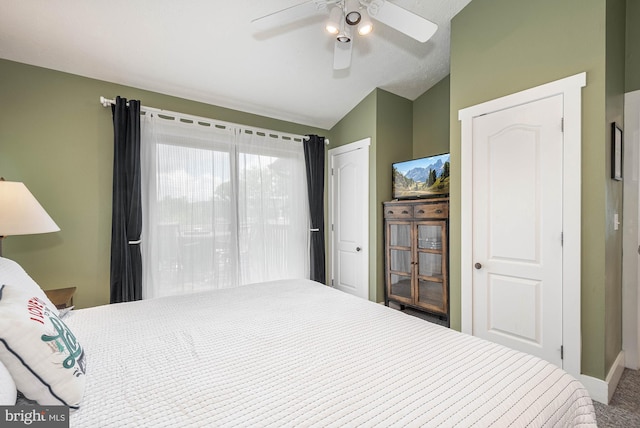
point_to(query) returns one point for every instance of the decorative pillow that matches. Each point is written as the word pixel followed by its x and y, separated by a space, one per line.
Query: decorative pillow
pixel 8 392
pixel 12 274
pixel 43 356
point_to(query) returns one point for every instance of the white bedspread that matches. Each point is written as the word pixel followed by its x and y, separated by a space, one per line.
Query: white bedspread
pixel 296 353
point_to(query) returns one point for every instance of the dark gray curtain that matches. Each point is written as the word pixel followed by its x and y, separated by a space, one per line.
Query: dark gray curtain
pixel 126 226
pixel 314 159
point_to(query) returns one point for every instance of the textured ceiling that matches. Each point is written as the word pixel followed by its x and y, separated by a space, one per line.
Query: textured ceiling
pixel 208 51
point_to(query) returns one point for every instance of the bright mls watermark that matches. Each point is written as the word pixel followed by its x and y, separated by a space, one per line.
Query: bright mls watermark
pixel 34 416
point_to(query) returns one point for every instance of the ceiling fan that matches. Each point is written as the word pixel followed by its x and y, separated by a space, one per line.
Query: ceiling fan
pixel 349 16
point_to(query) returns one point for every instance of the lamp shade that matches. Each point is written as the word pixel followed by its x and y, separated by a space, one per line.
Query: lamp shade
pixel 20 212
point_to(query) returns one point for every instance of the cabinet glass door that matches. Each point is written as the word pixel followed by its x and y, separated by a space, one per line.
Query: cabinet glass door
pixel 430 235
pixel 431 296
pixel 400 287
pixel 399 261
pixel 431 292
pixel 430 264
pixel 400 235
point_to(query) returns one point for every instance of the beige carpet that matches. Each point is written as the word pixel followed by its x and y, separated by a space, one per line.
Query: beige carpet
pixel 624 409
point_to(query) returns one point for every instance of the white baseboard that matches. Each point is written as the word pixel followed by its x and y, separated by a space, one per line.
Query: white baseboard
pixel 602 390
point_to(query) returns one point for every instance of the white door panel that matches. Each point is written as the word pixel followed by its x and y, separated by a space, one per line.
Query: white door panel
pixel 349 209
pixel 515 309
pixel 512 172
pixel 517 227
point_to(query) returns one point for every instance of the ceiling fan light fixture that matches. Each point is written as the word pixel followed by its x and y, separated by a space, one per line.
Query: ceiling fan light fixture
pixel 366 26
pixel 344 36
pixel 353 18
pixel 352 15
pixel 335 18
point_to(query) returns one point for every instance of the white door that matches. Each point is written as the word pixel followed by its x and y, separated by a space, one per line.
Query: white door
pixel 631 232
pixel 349 217
pixel 517 227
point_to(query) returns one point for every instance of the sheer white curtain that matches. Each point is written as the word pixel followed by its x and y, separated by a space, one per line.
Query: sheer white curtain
pixel 273 209
pixel 221 207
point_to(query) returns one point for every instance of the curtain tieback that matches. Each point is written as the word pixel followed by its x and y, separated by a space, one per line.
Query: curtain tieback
pixel 135 242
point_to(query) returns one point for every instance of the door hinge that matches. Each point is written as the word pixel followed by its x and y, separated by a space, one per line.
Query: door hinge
pixel 332 227
pixel 561 238
pixel 331 171
pixel 562 352
pixel 562 124
pixel 332 282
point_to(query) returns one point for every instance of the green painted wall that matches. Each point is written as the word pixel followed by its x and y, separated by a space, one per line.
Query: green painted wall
pixel 431 120
pixel 358 124
pixel 394 131
pixel 387 119
pixel 503 46
pixel 632 57
pixel 57 139
pixel 614 96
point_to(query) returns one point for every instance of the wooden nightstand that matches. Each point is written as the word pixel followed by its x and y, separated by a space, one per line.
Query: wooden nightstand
pixel 61 297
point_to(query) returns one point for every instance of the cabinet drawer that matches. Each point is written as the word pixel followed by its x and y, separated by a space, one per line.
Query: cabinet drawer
pixel 431 211
pixel 398 211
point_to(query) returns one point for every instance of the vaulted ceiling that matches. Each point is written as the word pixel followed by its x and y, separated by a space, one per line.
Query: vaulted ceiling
pixel 209 51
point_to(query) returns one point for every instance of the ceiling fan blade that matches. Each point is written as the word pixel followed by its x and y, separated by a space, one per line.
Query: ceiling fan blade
pixel 402 20
pixel 289 14
pixel 342 55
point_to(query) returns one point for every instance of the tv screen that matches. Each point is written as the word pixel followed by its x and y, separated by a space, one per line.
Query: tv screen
pixel 421 178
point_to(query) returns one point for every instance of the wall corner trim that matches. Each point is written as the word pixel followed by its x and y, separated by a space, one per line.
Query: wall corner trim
pixel 602 390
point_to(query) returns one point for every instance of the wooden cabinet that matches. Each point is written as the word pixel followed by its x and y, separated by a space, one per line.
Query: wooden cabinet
pixel 416 254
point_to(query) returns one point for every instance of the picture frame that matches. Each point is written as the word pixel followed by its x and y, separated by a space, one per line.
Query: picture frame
pixel 616 152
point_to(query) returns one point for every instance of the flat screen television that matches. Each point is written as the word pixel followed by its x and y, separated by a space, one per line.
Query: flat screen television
pixel 421 178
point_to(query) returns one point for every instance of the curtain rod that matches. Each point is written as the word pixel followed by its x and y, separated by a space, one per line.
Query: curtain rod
pixel 107 102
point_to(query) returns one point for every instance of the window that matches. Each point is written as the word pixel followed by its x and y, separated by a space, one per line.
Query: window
pixel 221 207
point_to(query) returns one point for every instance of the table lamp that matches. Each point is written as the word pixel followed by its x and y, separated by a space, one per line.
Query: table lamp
pixel 20 212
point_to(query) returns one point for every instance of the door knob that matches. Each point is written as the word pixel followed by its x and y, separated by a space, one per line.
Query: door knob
pixel 358 249
pixel 478 266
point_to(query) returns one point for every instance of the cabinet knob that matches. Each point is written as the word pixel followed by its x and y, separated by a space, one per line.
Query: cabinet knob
pixel 478 265
pixel 438 211
pixel 358 249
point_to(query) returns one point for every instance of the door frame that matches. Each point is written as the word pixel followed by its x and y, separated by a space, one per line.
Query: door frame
pixel 631 232
pixel 523 261
pixel 357 145
pixel 571 89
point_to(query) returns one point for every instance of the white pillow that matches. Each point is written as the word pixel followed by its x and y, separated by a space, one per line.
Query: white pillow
pixel 43 356
pixel 12 275
pixel 8 392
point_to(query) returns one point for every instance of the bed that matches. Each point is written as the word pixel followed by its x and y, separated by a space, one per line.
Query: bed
pixel 297 353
